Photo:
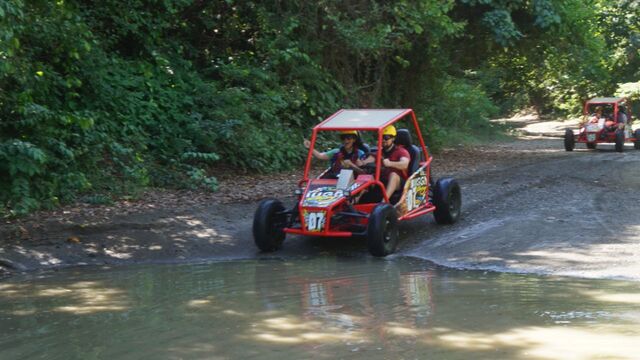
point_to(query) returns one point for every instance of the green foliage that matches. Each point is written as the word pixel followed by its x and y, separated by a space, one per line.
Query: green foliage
pixel 102 99
pixel 504 30
pixel 462 107
pixel 557 62
pixel 631 91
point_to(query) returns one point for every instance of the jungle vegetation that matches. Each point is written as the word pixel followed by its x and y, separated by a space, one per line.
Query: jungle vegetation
pixel 103 98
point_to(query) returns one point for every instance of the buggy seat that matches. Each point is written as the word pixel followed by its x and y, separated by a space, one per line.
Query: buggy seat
pixel 403 138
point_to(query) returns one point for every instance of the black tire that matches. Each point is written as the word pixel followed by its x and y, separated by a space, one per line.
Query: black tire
pixel 268 225
pixel 592 146
pixel 382 230
pixel 448 200
pixel 619 140
pixel 569 140
pixel 636 144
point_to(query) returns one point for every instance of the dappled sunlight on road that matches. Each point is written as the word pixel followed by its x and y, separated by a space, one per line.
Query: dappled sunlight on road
pixel 81 298
pixel 199 229
pixel 607 259
pixel 540 151
pixel 197 303
pixel 610 342
pixel 607 296
pixel 398 329
pixel 296 330
pixel 322 308
pixel 43 258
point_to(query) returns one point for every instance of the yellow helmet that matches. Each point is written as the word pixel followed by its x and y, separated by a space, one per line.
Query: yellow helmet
pixel 349 132
pixel 389 130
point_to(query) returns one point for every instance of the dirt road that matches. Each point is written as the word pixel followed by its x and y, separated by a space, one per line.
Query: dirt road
pixel 528 206
pixel 573 214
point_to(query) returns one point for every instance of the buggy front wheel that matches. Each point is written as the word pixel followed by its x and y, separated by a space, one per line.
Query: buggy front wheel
pixel 268 225
pixel 382 230
pixel 569 140
pixel 636 135
pixel 619 140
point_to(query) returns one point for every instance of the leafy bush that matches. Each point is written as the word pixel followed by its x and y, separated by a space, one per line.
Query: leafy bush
pixel 459 107
pixel 102 99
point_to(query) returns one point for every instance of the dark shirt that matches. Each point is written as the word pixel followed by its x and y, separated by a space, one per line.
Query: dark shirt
pixel 622 117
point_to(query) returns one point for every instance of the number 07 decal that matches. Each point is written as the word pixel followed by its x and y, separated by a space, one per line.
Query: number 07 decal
pixel 314 220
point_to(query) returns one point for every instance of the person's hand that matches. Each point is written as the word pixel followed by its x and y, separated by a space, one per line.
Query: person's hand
pixel 306 143
pixel 386 162
pixel 347 164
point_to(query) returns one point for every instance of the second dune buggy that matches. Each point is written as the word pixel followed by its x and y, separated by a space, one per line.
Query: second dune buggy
pixel 601 124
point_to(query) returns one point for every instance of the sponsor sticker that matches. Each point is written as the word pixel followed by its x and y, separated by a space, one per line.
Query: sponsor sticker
pixel 417 192
pixel 325 195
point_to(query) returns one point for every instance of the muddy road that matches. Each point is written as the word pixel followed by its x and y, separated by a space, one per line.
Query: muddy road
pixel 560 213
pixel 573 214
pixel 528 206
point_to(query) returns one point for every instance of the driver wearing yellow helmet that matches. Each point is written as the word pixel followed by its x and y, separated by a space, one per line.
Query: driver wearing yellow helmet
pixel 395 161
pixel 346 156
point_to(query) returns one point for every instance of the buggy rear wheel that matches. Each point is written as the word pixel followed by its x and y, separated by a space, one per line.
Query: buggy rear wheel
pixel 448 200
pixel 569 140
pixel 268 225
pixel 619 140
pixel 382 230
pixel 636 144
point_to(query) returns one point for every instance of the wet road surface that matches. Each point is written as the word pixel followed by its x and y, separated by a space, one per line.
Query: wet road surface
pixel 322 307
pixel 574 214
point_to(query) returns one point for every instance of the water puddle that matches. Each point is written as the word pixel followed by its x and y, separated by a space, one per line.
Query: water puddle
pixel 324 307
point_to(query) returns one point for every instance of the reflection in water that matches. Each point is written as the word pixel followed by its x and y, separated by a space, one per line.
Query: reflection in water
pixel 320 308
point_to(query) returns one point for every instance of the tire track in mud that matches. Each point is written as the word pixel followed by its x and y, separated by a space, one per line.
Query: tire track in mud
pixel 568 215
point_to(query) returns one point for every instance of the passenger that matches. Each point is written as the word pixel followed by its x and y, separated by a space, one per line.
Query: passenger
pixel 622 117
pixel 610 125
pixel 395 161
pixel 596 116
pixel 344 157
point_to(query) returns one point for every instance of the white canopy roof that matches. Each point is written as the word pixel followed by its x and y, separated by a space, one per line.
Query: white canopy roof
pixel 361 118
pixel 605 100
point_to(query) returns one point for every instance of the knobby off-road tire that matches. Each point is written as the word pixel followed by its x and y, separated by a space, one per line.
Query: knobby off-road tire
pixel 382 230
pixel 592 146
pixel 636 144
pixel 569 140
pixel 268 225
pixel 448 201
pixel 619 140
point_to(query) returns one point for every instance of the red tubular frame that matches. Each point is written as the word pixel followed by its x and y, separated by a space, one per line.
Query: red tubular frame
pixel 582 135
pixel 426 208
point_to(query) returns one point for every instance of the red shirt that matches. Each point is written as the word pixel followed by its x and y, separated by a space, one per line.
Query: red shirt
pixel 396 153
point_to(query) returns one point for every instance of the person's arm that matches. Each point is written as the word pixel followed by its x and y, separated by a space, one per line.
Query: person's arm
pixel 316 153
pixel 402 164
pixel 369 159
pixel 348 164
pixel 320 155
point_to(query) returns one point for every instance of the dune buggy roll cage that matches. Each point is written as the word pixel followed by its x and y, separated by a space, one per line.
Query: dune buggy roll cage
pixel 367 120
pixel 615 101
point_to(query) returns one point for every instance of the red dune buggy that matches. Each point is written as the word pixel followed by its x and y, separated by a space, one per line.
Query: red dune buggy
pixel 606 120
pixel 357 205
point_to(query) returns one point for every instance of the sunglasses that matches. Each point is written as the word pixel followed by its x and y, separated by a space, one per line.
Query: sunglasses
pixel 387 137
pixel 342 137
